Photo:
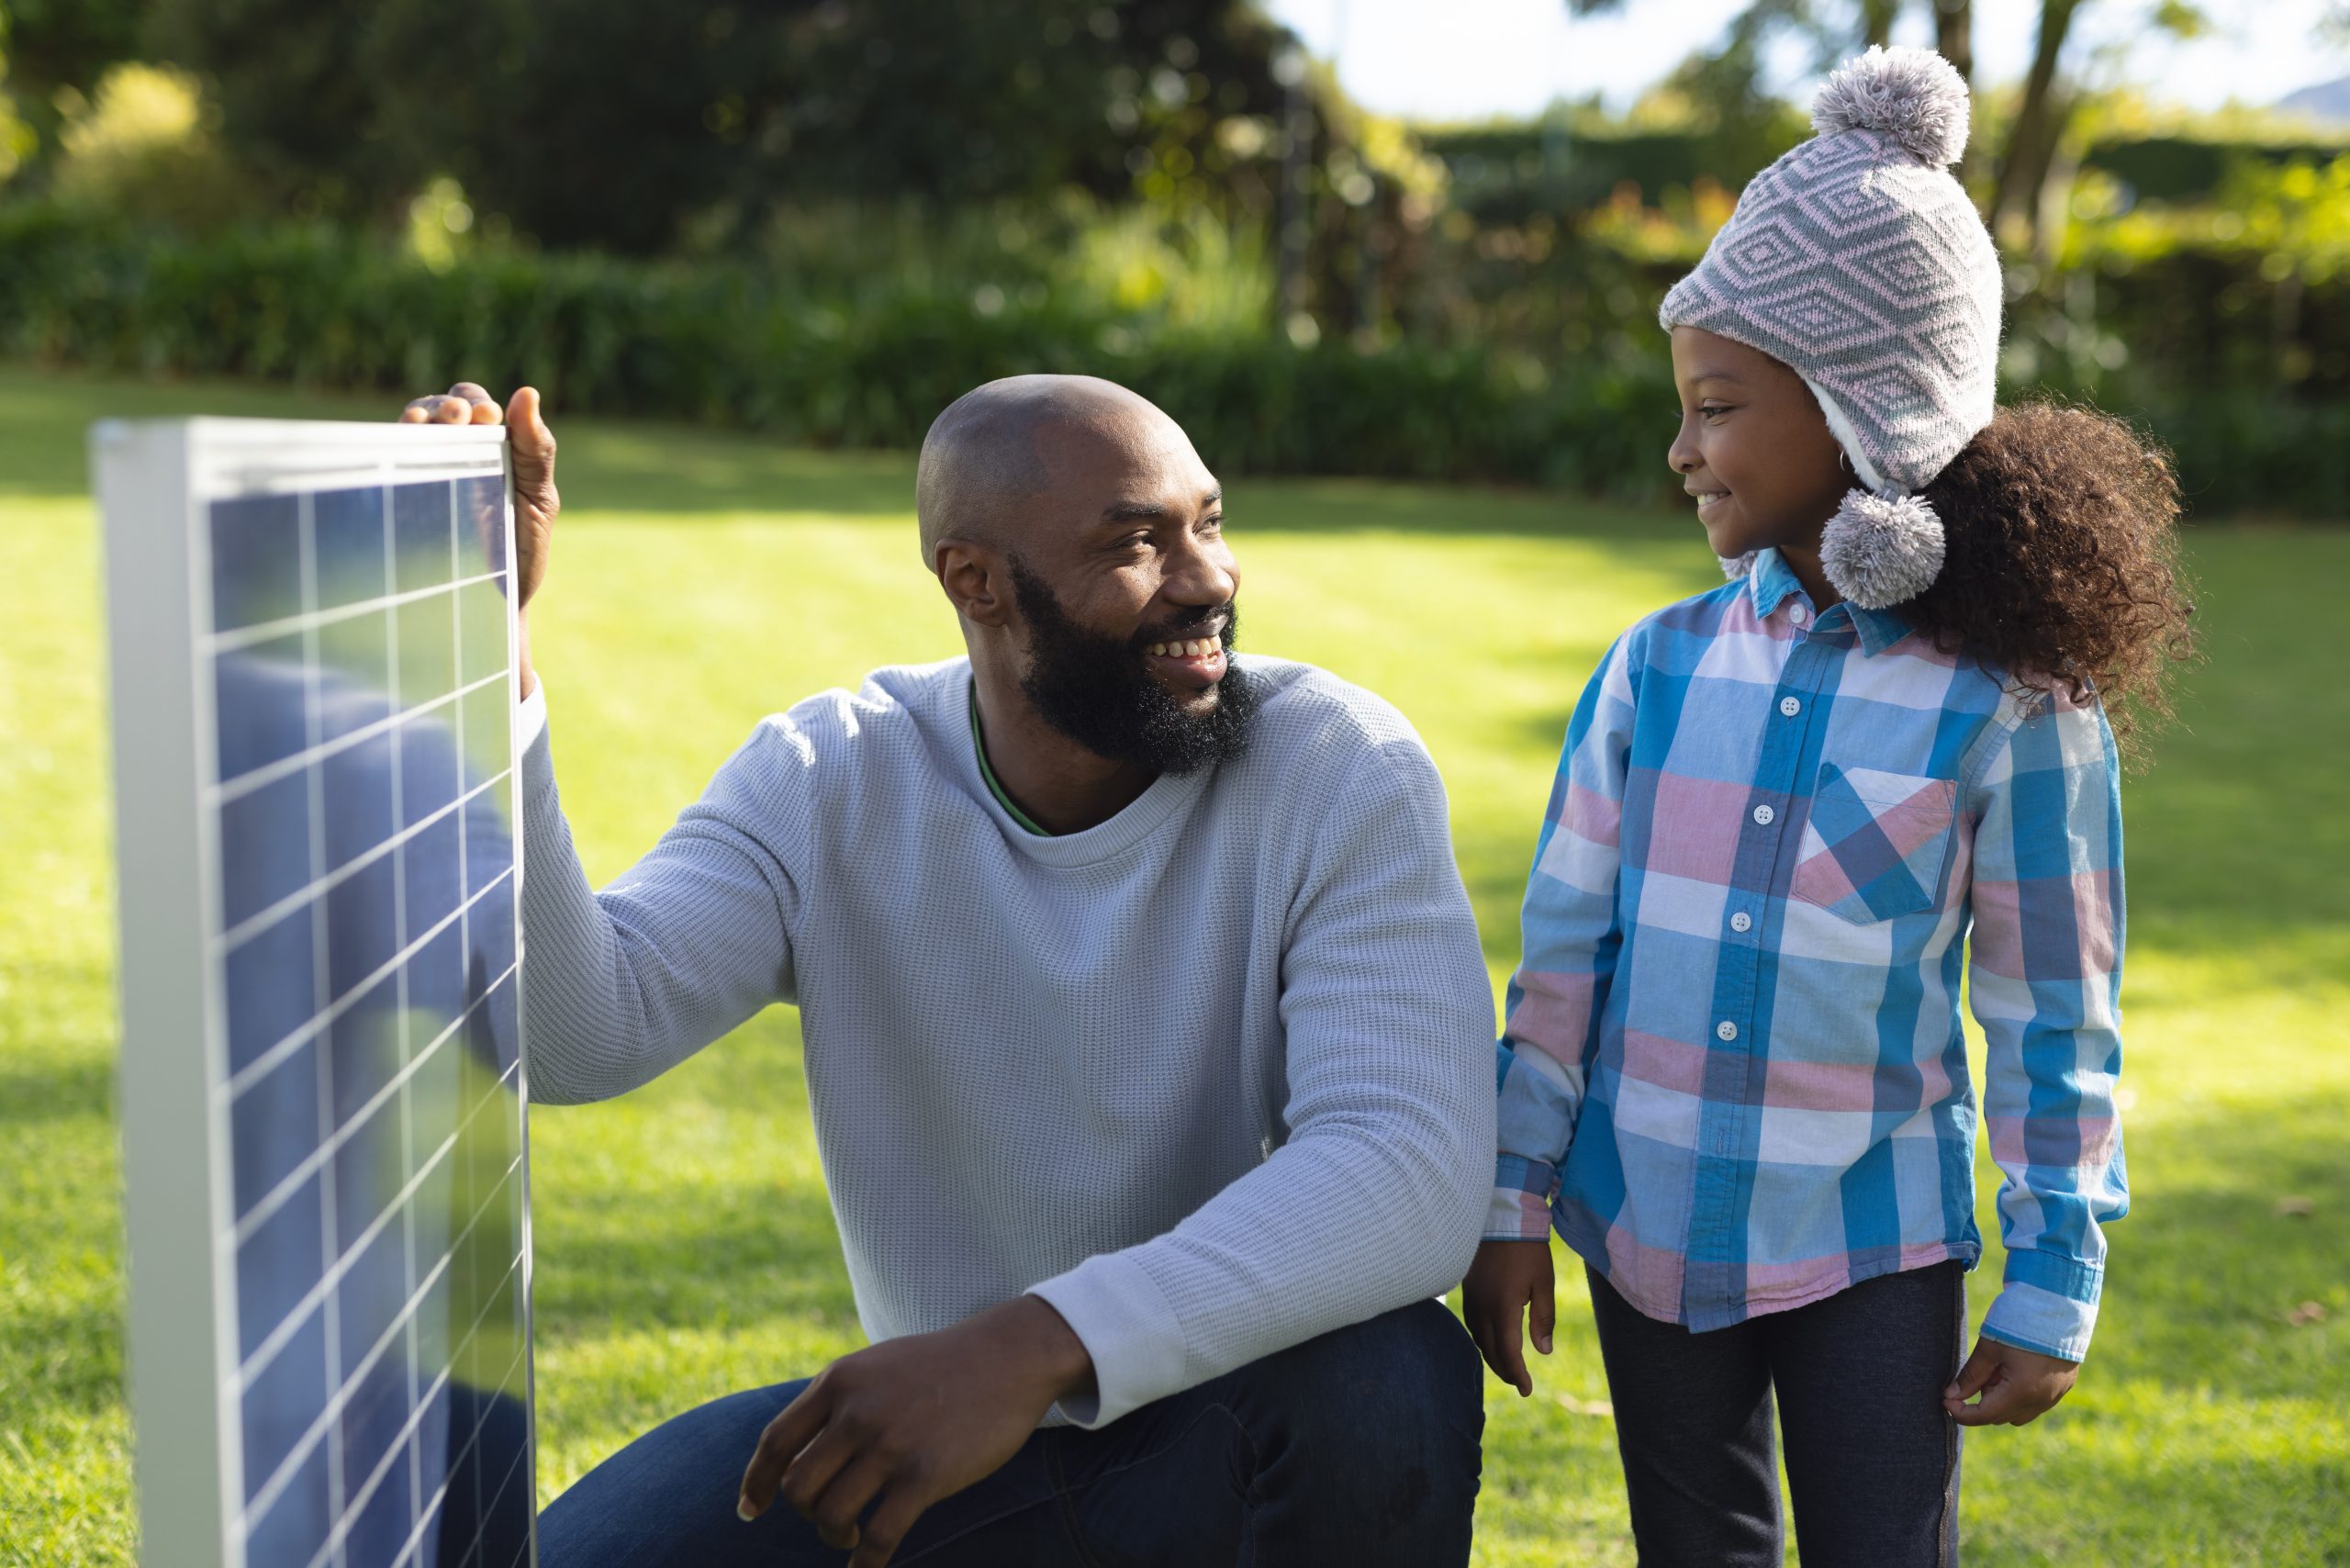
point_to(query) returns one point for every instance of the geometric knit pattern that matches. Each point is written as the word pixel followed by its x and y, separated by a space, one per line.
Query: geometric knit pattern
pixel 1784 845
pixel 1867 270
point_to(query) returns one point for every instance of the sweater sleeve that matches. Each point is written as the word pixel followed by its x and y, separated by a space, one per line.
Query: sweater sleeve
pixel 1570 939
pixel 1372 1200
pixel 2045 976
pixel 619 986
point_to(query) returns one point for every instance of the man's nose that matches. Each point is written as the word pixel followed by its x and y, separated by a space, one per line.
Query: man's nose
pixel 1203 574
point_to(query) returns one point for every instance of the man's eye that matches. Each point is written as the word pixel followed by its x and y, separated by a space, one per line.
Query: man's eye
pixel 1214 525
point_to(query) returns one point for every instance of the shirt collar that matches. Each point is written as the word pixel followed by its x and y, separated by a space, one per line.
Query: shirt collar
pixel 1773 583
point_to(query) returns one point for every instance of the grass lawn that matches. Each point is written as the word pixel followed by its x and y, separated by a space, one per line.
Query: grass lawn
pixel 685 1245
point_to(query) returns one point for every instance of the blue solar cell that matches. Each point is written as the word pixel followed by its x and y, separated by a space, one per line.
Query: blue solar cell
pixel 489 839
pixel 348 543
pixel 295 1530
pixel 436 985
pixel 354 672
pixel 369 1298
pixel 279 1263
pixel 430 774
pixel 358 790
pixel 430 876
pixel 274 1126
pixel 260 697
pixel 256 561
pixel 424 535
pixel 380 1533
pixel 264 847
pixel 364 1049
pixel 481 527
pixel 270 980
pixel 282 1403
pixel 486 732
pixel 362 925
pixel 481 629
pixel 373 1416
pixel 427 648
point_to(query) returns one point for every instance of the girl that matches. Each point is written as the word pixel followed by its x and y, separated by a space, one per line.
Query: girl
pixel 1733 1077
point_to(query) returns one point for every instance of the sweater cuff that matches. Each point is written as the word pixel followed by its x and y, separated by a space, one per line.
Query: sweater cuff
pixel 1128 1329
pixel 2048 1304
pixel 531 717
pixel 1520 1209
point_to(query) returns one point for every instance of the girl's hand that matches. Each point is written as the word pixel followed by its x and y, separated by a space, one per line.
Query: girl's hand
pixel 1508 1278
pixel 2017 1386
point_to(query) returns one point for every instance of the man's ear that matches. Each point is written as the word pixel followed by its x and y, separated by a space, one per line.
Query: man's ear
pixel 977 579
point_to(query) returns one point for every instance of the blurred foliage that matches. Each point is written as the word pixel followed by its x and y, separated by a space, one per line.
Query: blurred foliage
pixel 801 216
pixel 866 364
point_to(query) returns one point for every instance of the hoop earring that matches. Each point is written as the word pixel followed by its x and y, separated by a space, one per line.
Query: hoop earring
pixel 1844 461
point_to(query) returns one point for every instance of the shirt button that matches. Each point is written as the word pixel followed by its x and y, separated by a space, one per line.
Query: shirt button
pixel 1790 706
pixel 1798 614
pixel 1765 815
pixel 1725 1030
pixel 1742 921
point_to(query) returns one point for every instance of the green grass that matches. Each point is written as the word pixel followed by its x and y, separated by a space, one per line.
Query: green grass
pixel 685 1247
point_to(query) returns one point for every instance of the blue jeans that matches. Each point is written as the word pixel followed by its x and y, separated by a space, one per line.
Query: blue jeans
pixel 1359 1447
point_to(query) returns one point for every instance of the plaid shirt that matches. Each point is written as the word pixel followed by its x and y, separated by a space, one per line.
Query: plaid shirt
pixel 1732 1074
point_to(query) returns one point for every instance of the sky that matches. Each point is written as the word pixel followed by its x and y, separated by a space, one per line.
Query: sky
pixel 1456 60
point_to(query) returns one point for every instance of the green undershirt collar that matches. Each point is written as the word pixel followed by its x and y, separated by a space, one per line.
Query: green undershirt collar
pixel 988 773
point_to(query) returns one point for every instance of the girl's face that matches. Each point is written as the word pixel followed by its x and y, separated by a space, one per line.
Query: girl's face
pixel 1753 448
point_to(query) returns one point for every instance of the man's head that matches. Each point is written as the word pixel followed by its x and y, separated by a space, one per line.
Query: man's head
pixel 1081 541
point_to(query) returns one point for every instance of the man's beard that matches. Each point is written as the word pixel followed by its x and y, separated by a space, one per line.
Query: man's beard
pixel 1097 690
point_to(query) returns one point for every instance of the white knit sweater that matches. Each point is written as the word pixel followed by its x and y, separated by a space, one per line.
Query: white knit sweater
pixel 1210 1078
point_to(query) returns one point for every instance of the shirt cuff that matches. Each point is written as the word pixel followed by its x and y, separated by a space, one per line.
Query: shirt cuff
pixel 1127 1328
pixel 1520 1209
pixel 531 717
pixel 2048 1304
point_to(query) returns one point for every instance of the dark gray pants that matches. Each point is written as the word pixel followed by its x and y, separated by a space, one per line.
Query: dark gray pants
pixel 1872 1459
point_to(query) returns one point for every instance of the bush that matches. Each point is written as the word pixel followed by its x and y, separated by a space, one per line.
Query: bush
pixel 1577 394
pixel 735 344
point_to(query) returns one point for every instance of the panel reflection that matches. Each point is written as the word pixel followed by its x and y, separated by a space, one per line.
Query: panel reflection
pixel 366 922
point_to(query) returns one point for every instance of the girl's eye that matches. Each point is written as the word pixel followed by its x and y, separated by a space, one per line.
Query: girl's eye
pixel 1713 410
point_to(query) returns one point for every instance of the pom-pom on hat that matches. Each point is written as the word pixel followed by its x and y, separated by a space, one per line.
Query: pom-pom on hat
pixel 1858 260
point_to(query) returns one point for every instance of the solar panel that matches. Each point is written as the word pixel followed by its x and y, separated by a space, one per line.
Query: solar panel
pixel 322 1088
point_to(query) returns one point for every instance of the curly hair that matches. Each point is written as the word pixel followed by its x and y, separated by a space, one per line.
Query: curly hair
pixel 2061 562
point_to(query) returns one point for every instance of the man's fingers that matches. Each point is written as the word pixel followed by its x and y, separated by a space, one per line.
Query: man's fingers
pixel 882 1534
pixel 1508 1355
pixel 481 408
pixel 835 1514
pixel 531 439
pixel 789 1432
pixel 414 413
pixel 812 1469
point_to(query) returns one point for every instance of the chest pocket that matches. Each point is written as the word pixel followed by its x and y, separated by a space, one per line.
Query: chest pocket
pixel 1876 845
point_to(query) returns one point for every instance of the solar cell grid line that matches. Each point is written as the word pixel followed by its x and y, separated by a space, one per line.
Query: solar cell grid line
pixel 323 1090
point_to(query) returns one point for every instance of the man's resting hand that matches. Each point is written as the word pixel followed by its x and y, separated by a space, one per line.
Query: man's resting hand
pixel 898 1426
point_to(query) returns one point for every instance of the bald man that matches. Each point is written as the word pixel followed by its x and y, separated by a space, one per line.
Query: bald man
pixel 1147 1034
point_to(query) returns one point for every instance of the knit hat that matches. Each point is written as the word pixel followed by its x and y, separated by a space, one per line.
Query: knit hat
pixel 1858 260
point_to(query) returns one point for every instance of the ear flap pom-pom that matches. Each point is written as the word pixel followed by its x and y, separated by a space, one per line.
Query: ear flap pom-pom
pixel 1880 551
pixel 1737 566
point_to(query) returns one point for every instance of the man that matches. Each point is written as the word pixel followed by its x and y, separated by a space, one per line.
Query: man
pixel 1148 1041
